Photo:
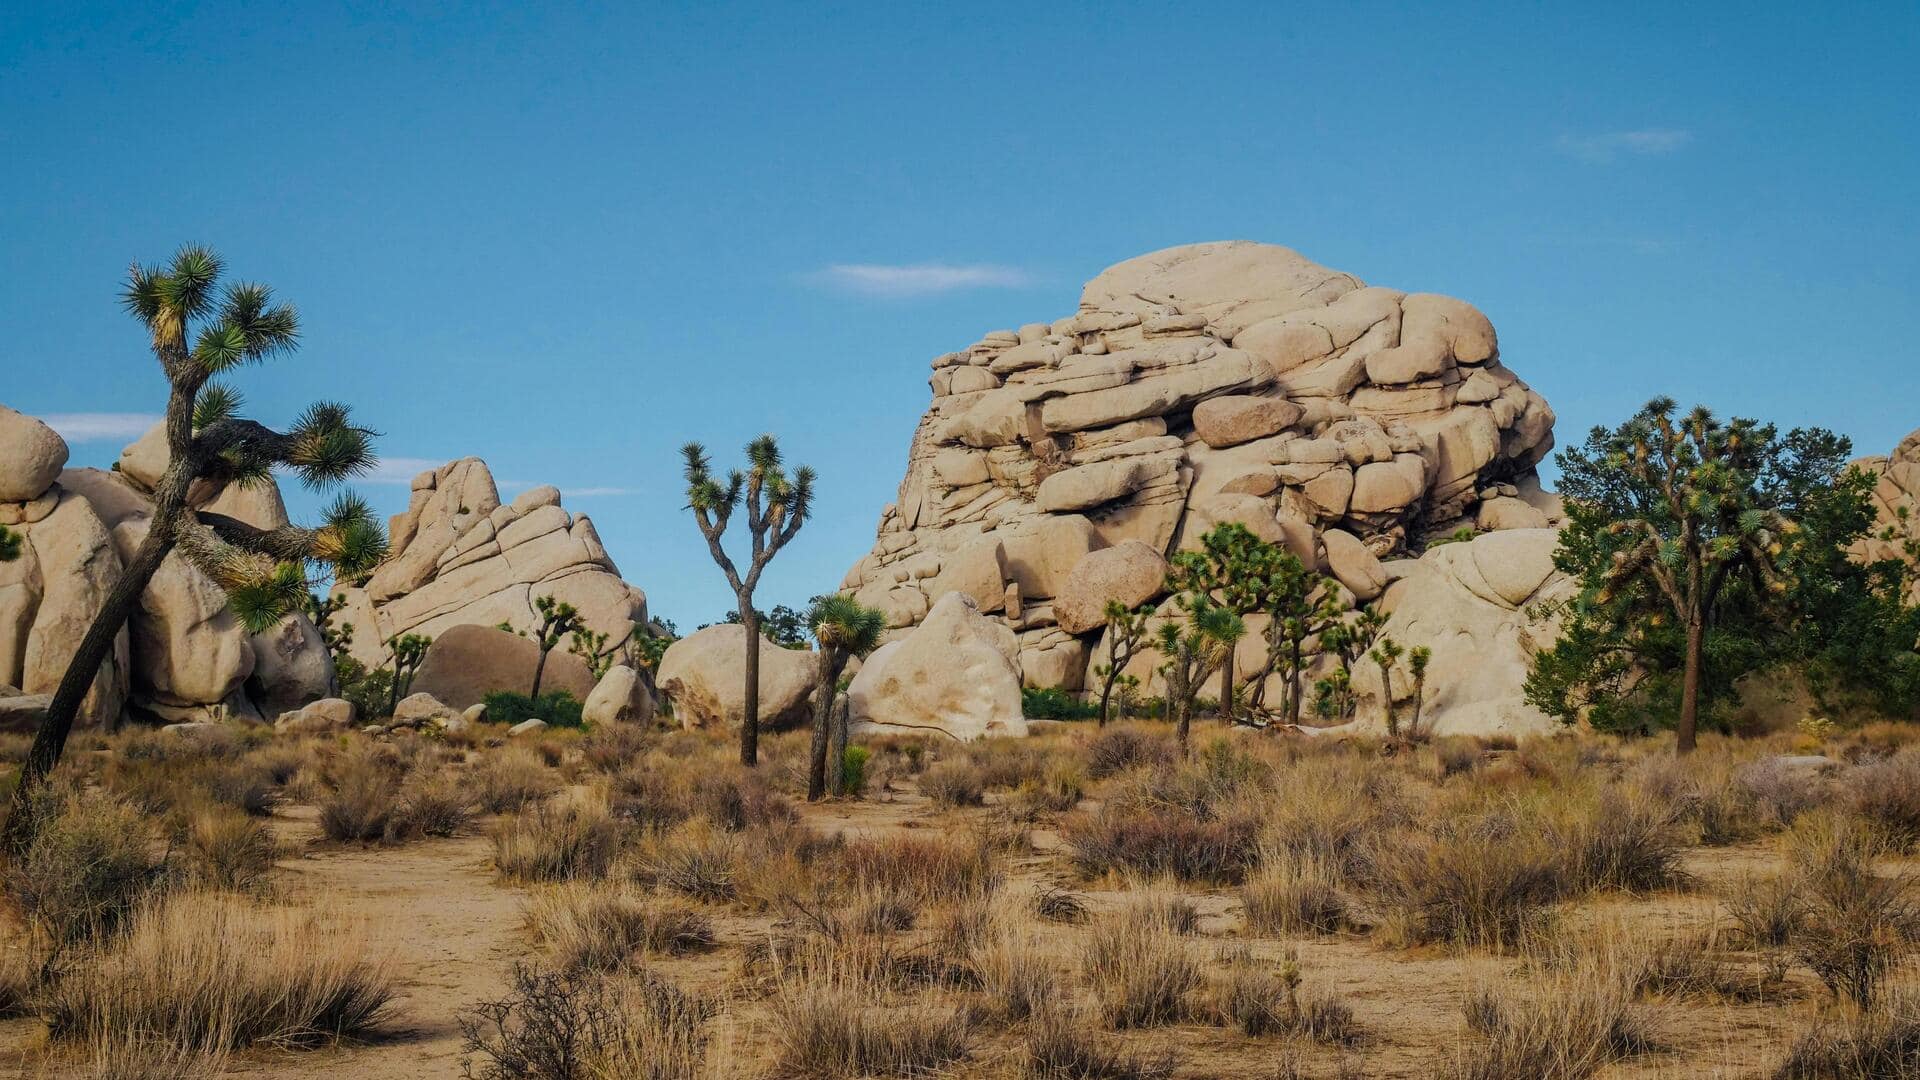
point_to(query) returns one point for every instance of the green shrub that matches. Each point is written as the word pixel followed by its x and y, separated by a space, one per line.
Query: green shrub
pixel 1053 703
pixel 558 708
pixel 368 690
pixel 853 769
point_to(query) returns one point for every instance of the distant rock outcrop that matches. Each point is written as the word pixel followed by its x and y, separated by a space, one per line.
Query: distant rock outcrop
pixel 460 557
pixel 1195 386
pixel 1896 499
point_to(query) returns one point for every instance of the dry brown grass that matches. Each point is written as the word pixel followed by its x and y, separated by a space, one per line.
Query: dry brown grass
pixel 511 779
pixel 207 972
pixel 226 849
pixel 828 1026
pixel 1142 973
pixel 604 926
pixel 1061 1045
pixel 579 1024
pixel 561 840
pixel 1880 1043
pixel 953 784
pixel 1557 1032
pixel 1294 894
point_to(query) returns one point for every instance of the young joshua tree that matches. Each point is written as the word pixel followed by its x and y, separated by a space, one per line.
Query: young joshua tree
pixel 1237 571
pixel 844 629
pixel 408 651
pixel 1192 651
pixel 1301 604
pixel 1126 633
pixel 1417 660
pixel 199 331
pixel 776 506
pixel 1387 654
pixel 557 619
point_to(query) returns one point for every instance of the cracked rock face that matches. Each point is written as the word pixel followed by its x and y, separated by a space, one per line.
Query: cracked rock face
pixel 1896 500
pixel 1198 385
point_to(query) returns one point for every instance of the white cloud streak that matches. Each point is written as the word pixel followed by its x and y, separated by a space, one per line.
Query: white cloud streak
pixel 82 427
pixel 400 470
pixel 1608 146
pixel 921 279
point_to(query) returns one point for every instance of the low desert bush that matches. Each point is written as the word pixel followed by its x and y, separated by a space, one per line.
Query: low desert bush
pixel 1620 841
pixel 1266 999
pixel 560 840
pixel 953 783
pixel 601 927
pixel 1121 747
pixel 1140 971
pixel 1055 904
pixel 1886 795
pixel 511 779
pixel 557 707
pixel 563 1025
pixel 1880 1043
pixel 226 849
pixel 1555 1033
pixel 1291 894
pixel 827 1028
pixel 1017 980
pixel 1767 911
pixel 1058 790
pixel 1062 1046
pixel 1053 703
pixel 1484 880
pixel 1455 755
pixel 1780 793
pixel 932 870
pixel 609 748
pixel 734 797
pixel 694 859
pixel 91 862
pixel 853 770
pixel 1330 809
pixel 363 807
pixel 1156 842
pixel 1856 923
pixel 438 803
pixel 206 971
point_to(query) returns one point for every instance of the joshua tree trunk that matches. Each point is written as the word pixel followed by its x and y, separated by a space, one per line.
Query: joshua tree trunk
pixel 1226 687
pixel 837 749
pixel 1386 698
pixel 1293 683
pixel 1106 694
pixel 539 671
pixel 834 663
pixel 1419 694
pixel 750 724
pixel 1690 685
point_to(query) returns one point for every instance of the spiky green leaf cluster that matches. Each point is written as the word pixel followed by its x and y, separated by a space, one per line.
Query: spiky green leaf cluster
pixel 843 624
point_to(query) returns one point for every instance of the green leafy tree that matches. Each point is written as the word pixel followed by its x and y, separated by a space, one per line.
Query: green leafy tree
pixel 1348 640
pixel 558 619
pixel 408 651
pixel 199 331
pixel 1190 649
pixel 1683 534
pixel 9 544
pixel 1126 634
pixel 776 506
pixel 783 625
pixel 844 629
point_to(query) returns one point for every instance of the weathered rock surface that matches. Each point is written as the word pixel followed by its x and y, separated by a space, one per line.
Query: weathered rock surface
pixel 704 674
pixel 318 717
pixel 419 708
pixel 954 674
pixel 49 597
pixel 1197 385
pixel 31 456
pixel 1896 498
pixel 1130 572
pixel 621 697
pixel 460 557
pixel 466 663
pixel 1468 603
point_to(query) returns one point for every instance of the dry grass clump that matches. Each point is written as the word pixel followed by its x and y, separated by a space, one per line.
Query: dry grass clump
pixel 436 803
pixel 512 778
pixel 1293 894
pixel 1780 793
pixel 1262 999
pixel 90 864
pixel 1121 747
pixel 829 1027
pixel 601 927
pixel 1886 795
pixel 1061 1046
pixel 954 783
pixel 226 849
pixel 1329 809
pixel 1767 911
pixel 579 1024
pixel 1055 904
pixel 1140 970
pixel 1855 922
pixel 1564 1032
pixel 200 971
pixel 362 807
pixel 694 859
pixel 1481 880
pixel 115 1056
pixel 1161 842
pixel 931 870
pixel 610 747
pixel 1880 1043
pixel 1058 790
pixel 1620 842
pixel 561 840
pixel 1456 755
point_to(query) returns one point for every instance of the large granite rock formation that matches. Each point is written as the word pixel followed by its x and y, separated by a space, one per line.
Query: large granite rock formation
pixel 1194 386
pixel 466 663
pixel 461 557
pixel 1896 500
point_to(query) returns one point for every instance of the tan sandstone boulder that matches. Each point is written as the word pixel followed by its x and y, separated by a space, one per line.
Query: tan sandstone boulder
pixel 951 675
pixel 31 456
pixel 704 674
pixel 620 697
pixel 1130 572
pixel 466 663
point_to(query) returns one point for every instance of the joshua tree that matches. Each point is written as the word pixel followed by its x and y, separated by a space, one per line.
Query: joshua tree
pixel 9 544
pixel 1348 640
pixel 408 650
pixel 1387 654
pixel 776 507
pixel 1300 605
pixel 557 619
pixel 844 630
pixel 321 610
pixel 1191 651
pixel 1417 659
pixel 198 332
pixel 1237 571
pixel 1126 633
pixel 598 650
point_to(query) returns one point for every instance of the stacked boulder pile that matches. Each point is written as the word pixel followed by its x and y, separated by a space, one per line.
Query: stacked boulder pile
pixel 1061 463
pixel 183 657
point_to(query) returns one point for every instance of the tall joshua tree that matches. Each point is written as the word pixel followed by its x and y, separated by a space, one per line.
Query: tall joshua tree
pixel 845 629
pixel 776 505
pixel 557 619
pixel 1126 633
pixel 199 331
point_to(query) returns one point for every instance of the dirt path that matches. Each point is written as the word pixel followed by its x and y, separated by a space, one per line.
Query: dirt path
pixel 436 915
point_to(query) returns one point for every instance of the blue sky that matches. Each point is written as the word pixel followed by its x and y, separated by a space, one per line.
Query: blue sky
pixel 569 241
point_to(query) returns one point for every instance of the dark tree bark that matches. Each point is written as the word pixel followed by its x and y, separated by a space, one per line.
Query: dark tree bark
pixel 750 724
pixel 834 661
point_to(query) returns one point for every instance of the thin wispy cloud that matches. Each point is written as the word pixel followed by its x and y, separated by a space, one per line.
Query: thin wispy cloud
pixel 586 492
pixel 1610 146
pixel 400 470
pixel 919 279
pixel 82 427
